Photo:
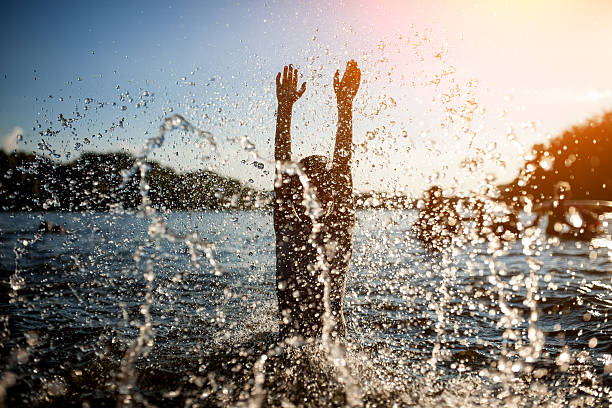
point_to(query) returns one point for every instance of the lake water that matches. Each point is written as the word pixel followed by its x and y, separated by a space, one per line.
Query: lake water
pixel 112 314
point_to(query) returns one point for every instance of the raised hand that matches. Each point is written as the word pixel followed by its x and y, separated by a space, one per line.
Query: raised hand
pixel 286 91
pixel 346 89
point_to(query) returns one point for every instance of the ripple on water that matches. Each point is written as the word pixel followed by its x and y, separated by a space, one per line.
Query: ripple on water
pixel 75 319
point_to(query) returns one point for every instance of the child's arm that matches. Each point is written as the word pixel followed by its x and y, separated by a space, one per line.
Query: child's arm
pixel 286 94
pixel 345 90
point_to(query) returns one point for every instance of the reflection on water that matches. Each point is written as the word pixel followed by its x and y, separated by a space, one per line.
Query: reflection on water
pixel 518 325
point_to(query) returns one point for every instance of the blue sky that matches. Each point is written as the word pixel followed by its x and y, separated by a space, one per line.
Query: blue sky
pixel 453 92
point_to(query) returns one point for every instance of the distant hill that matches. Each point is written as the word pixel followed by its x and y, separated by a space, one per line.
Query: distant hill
pixel 93 182
pixel 580 156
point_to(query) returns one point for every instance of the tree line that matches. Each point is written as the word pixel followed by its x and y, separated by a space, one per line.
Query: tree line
pixel 95 181
pixel 580 157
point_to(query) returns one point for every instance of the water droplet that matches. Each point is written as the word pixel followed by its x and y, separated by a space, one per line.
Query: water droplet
pixel 575 218
pixel 246 144
pixel 547 163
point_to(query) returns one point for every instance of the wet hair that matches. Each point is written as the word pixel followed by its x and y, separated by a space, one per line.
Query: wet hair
pixel 317 170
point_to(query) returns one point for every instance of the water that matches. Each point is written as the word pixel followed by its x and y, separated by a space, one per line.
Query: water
pixel 108 314
pixel 139 306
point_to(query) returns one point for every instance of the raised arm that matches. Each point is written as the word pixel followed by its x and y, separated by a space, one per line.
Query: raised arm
pixel 286 94
pixel 345 89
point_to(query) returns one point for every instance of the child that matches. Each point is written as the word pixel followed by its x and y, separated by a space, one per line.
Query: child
pixel 300 254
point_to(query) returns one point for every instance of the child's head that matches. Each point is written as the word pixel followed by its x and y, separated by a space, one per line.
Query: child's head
pixel 319 177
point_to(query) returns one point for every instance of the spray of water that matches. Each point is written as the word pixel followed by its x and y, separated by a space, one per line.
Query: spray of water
pixel 474 317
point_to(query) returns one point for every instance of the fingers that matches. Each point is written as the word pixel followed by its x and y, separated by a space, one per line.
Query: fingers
pixel 290 76
pixel 352 69
pixel 337 79
pixel 295 79
pixel 352 73
pixel 302 90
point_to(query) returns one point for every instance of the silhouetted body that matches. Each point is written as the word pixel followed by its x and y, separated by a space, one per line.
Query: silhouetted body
pixel 508 223
pixel 559 226
pixel 556 219
pixel 46 227
pixel 567 221
pixel 438 220
pixel 503 223
pixel 303 256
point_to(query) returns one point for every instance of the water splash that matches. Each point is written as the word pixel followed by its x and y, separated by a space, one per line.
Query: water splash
pixel 471 322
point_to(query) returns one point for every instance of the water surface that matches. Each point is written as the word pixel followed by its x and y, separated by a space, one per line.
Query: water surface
pixel 109 314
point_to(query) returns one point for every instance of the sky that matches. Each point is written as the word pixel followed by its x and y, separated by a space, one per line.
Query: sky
pixel 453 92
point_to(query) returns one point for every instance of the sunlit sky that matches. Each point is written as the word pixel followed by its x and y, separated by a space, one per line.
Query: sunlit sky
pixel 452 91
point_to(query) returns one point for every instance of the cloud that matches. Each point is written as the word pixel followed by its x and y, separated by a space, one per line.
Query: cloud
pixel 8 142
pixel 594 95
